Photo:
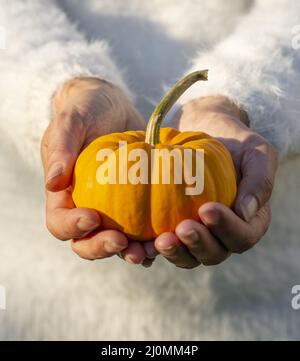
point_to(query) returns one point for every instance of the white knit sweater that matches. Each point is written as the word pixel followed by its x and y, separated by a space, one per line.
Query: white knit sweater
pixel 250 48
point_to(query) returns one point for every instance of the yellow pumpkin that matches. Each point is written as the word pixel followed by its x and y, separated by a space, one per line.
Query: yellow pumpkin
pixel 146 209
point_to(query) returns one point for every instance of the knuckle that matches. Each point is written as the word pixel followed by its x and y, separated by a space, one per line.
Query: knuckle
pixel 265 216
pixel 267 185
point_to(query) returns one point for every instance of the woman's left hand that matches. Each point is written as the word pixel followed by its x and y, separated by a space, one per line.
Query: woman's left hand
pixel 223 231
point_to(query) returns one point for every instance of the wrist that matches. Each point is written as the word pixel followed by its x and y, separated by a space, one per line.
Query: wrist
pixel 91 98
pixel 215 107
pixel 216 116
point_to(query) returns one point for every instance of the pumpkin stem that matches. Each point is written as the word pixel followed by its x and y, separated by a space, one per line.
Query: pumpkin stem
pixel 161 110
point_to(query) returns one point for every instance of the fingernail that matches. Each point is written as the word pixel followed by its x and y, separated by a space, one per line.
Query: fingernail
pixel 85 224
pixel 249 207
pixel 166 243
pixel 55 170
pixel 167 246
pixel 112 247
pixel 131 260
pixel 190 234
pixel 210 214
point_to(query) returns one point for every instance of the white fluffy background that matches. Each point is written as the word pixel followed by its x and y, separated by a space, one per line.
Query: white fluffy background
pixel 51 294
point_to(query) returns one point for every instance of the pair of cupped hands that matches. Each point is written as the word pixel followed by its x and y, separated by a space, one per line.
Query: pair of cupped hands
pixel 86 108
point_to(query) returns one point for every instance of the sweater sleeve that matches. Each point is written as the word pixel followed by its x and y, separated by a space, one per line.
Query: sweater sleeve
pixel 258 66
pixel 42 50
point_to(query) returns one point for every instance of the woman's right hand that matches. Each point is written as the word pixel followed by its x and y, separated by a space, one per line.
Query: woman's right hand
pixel 84 109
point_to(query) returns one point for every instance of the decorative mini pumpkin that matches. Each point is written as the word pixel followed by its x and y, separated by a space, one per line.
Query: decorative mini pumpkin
pixel 144 208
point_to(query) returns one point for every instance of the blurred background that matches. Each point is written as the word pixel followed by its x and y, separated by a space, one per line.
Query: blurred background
pixel 51 294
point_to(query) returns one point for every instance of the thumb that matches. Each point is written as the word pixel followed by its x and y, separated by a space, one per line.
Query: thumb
pixel 60 147
pixel 258 172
